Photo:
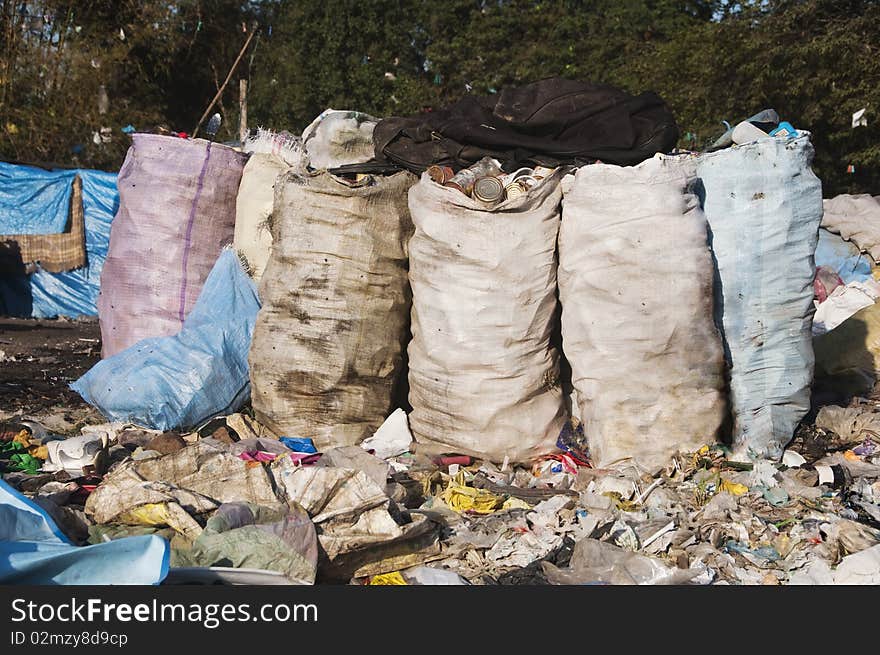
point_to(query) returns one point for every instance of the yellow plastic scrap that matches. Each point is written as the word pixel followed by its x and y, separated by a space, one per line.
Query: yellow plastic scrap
pixel 162 514
pixel 733 488
pixel 433 483
pixel 620 502
pixel 40 452
pixel 153 514
pixel 515 503
pixel 461 498
pixel 34 448
pixel 851 456
pixel 394 578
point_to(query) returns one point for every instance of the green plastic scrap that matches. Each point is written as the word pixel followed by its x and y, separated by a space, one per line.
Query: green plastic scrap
pixel 11 447
pixel 737 466
pixel 767 553
pixel 25 462
pixel 776 496
pixel 783 523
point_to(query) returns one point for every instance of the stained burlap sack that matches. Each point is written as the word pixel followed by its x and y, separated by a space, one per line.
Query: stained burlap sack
pixel 483 375
pixel 329 340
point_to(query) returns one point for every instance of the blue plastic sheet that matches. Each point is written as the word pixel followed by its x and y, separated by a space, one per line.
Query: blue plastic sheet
pixel 35 201
pixel 843 257
pixel 180 381
pixel 34 551
pixel 299 444
pixel 764 205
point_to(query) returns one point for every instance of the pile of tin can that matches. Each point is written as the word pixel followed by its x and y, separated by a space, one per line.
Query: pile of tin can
pixel 487 183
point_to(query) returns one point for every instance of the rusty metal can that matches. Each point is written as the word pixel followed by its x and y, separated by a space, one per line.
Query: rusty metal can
pixel 466 177
pixel 440 174
pixel 514 190
pixel 488 189
pixel 463 181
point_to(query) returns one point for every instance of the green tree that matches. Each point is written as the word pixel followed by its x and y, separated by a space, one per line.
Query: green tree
pixel 69 69
pixel 814 61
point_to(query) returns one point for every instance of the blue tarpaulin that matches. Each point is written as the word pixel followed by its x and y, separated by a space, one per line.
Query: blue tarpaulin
pixel 179 381
pixel 33 200
pixel 34 551
pixel 36 201
pixel 843 257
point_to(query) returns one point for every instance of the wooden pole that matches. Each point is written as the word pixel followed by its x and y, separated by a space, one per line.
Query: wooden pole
pixel 226 81
pixel 242 111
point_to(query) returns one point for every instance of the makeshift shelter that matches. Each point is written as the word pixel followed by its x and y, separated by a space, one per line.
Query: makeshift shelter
pixel 53 239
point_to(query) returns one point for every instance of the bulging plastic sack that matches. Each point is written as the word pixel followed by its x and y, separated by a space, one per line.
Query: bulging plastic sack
pixel 176 213
pixel 484 378
pixel 328 343
pixel 180 381
pixel 635 283
pixel 339 138
pixel 855 218
pixel 764 206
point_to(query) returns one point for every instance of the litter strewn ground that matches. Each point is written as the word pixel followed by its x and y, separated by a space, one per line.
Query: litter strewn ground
pixel 231 495
pixel 39 358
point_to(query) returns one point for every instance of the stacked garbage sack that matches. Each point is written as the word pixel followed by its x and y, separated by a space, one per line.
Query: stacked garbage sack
pixel 513 341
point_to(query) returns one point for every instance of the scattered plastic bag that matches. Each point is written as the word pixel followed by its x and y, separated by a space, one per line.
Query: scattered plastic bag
pixel 843 257
pixel 254 537
pixel 598 562
pixel 844 301
pixel 851 424
pixel 34 551
pixel 392 438
pixel 211 471
pixel 124 490
pixel 79 456
pixel 426 575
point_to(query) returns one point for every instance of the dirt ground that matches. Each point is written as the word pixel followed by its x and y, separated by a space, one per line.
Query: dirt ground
pixel 38 359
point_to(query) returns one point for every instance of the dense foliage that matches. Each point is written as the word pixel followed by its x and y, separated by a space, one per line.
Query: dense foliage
pixel 161 62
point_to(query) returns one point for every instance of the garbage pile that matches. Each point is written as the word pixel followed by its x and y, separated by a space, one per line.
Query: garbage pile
pixel 234 496
pixel 560 354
